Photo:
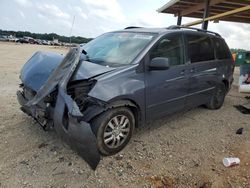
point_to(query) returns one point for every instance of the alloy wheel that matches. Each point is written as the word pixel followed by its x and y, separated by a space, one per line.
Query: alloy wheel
pixel 116 131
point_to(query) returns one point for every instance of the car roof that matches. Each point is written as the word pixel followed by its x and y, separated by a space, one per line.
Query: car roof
pixel 162 31
pixel 146 30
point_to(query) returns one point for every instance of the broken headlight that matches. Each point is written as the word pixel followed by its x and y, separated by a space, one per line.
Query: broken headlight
pixel 79 90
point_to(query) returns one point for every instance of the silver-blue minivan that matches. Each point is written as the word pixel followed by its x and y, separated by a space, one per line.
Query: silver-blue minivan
pixel 97 94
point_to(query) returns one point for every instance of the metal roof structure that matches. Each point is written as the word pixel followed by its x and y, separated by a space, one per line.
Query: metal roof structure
pixel 209 10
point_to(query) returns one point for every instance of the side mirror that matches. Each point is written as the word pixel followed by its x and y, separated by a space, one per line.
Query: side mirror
pixel 159 63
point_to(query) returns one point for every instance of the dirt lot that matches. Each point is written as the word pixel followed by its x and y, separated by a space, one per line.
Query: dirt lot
pixel 184 150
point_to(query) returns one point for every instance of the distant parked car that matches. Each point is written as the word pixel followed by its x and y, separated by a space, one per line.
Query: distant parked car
pixel 32 41
pixel 55 43
pixel 81 45
pixel 45 42
pixel 3 38
pixel 13 39
pixel 39 41
pixel 23 40
pixel 29 40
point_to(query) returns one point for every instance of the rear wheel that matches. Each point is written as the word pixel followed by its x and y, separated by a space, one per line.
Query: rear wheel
pixel 113 129
pixel 218 97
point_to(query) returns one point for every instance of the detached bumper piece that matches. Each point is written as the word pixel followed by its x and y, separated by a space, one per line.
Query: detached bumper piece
pixel 66 115
pixel 78 135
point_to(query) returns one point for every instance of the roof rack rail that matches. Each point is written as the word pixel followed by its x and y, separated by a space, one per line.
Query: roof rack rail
pixel 192 28
pixel 132 27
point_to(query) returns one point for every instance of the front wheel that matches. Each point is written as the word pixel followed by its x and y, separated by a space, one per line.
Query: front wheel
pixel 113 129
pixel 218 97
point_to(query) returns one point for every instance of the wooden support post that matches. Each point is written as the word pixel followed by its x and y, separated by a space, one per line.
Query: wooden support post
pixel 206 14
pixel 179 19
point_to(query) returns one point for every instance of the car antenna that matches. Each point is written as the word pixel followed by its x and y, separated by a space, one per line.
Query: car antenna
pixel 71 29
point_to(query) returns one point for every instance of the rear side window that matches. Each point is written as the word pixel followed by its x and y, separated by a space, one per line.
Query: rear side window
pixel 222 51
pixel 200 48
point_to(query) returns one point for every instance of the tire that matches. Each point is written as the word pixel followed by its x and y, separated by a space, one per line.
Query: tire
pixel 218 97
pixel 117 124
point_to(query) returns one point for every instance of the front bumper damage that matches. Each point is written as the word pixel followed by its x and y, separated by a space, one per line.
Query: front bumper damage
pixel 66 116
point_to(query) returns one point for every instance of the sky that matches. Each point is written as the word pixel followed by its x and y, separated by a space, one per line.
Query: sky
pixel 94 17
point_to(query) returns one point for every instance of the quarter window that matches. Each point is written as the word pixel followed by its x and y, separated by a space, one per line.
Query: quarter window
pixel 200 48
pixel 222 51
pixel 170 47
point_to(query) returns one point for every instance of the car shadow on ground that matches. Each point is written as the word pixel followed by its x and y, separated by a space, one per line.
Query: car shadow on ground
pixel 169 119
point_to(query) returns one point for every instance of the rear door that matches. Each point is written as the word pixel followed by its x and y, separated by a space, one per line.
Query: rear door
pixel 202 70
pixel 166 90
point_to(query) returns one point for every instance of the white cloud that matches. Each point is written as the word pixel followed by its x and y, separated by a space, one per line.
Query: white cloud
pixel 108 9
pixel 5 19
pixel 149 19
pixel 84 16
pixel 22 14
pixel 80 12
pixel 235 34
pixel 41 16
pixel 53 17
pixel 65 23
pixel 50 10
pixel 24 3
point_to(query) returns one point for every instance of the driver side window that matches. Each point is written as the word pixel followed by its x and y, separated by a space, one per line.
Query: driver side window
pixel 171 47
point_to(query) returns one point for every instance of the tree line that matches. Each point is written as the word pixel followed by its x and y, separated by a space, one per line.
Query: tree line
pixel 46 36
pixel 235 50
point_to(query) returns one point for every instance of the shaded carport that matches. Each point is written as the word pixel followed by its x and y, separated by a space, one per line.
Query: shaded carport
pixel 208 10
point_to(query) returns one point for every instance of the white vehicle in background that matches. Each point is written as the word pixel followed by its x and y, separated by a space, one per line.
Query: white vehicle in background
pixel 56 42
pixel 11 38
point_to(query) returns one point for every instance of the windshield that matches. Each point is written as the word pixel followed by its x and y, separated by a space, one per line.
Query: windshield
pixel 116 49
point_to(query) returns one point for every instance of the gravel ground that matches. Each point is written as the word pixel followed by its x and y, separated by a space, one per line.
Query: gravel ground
pixel 183 150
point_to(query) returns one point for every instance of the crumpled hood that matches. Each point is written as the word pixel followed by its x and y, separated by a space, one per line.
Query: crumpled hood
pixel 38 68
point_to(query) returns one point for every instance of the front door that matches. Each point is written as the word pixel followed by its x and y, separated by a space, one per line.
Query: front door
pixel 166 90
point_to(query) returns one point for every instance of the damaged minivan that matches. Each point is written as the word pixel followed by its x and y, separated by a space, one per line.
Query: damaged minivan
pixel 96 95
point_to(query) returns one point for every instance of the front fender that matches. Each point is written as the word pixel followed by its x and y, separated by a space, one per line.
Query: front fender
pixel 124 86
